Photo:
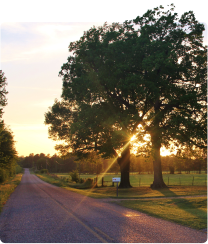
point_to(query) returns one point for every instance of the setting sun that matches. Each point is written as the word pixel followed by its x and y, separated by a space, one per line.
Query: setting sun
pixel 133 138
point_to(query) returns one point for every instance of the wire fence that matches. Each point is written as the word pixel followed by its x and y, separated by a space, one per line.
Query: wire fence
pixel 147 180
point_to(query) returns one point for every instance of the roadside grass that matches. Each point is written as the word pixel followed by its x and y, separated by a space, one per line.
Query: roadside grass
pixel 53 180
pixel 191 212
pixel 7 188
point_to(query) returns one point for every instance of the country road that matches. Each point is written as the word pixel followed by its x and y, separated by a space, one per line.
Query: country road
pixel 39 212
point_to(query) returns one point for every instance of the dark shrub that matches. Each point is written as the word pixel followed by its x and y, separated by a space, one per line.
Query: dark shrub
pixel 4 175
pixel 81 180
pixel 44 171
pixel 74 175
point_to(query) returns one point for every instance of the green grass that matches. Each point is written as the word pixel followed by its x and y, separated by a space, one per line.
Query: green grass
pixel 191 212
pixel 7 188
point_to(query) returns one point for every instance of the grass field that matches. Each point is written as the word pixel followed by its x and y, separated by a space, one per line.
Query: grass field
pixel 147 179
pixel 7 188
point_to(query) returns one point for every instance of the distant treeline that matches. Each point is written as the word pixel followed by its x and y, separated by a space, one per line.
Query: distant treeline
pixel 96 165
pixel 170 164
pixel 53 164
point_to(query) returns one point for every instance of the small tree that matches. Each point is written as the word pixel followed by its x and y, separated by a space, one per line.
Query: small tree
pixel 74 175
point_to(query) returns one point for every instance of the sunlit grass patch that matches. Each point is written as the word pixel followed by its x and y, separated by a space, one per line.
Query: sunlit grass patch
pixel 191 212
pixel 52 180
pixel 7 188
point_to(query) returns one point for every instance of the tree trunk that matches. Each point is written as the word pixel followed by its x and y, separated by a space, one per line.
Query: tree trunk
pixel 124 163
pixel 158 178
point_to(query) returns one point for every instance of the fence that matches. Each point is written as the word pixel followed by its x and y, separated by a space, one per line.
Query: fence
pixel 146 180
pixel 186 181
pixel 171 180
pixel 102 182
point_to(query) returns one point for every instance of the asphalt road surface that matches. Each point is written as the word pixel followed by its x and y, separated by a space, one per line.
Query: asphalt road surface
pixel 39 212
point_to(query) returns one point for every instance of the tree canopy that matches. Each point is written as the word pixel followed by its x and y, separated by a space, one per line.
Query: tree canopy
pixel 7 145
pixel 145 76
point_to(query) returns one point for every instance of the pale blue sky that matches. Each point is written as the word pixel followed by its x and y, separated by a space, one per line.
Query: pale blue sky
pixel 34 44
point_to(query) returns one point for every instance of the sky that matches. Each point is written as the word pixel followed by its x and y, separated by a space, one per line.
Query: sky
pixel 34 40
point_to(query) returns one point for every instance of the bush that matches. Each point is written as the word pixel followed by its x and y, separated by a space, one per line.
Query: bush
pixel 81 180
pixel 18 169
pixel 88 183
pixel 4 175
pixel 44 171
pixel 74 175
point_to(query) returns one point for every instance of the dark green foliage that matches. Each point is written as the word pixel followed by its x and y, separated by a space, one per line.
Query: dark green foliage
pixel 18 169
pixel 7 153
pixel 81 180
pixel 88 183
pixel 4 175
pixel 44 171
pixel 74 176
pixel 7 145
pixel 150 71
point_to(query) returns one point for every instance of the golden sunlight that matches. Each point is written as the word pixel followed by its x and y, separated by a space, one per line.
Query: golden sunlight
pixel 133 138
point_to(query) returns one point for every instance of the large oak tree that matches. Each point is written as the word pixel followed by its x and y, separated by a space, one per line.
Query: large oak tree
pixel 145 76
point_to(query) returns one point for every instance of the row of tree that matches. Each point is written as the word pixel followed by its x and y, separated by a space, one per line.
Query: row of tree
pixel 170 164
pixel 53 164
pixel 8 154
pixel 146 76
pixel 94 164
